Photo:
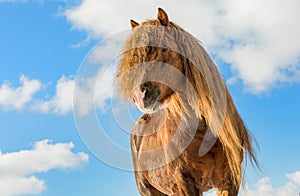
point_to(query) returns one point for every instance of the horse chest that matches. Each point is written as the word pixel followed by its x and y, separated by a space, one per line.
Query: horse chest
pixel 187 168
pixel 171 177
pixel 172 171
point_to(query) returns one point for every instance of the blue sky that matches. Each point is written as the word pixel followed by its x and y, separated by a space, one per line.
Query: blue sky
pixel 42 44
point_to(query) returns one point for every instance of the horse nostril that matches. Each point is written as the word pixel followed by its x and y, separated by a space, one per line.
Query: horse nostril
pixel 144 89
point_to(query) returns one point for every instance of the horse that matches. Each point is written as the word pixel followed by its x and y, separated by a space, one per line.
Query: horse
pixel 190 138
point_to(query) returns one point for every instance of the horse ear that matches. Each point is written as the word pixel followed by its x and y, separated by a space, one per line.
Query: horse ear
pixel 133 24
pixel 162 16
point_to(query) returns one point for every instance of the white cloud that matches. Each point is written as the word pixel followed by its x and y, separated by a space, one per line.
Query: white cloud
pixel 264 187
pixel 61 102
pixel 18 169
pixel 258 39
pixel 23 96
pixel 17 97
pixel 94 91
pixel 294 177
pixel 265 53
pixel 14 185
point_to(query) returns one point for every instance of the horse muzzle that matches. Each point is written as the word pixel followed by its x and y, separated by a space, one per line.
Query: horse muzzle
pixel 146 99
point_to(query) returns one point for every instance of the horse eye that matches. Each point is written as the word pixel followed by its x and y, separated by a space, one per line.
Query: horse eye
pixel 164 48
pixel 148 49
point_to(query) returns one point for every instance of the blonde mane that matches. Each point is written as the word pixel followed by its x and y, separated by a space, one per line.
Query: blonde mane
pixel 209 93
